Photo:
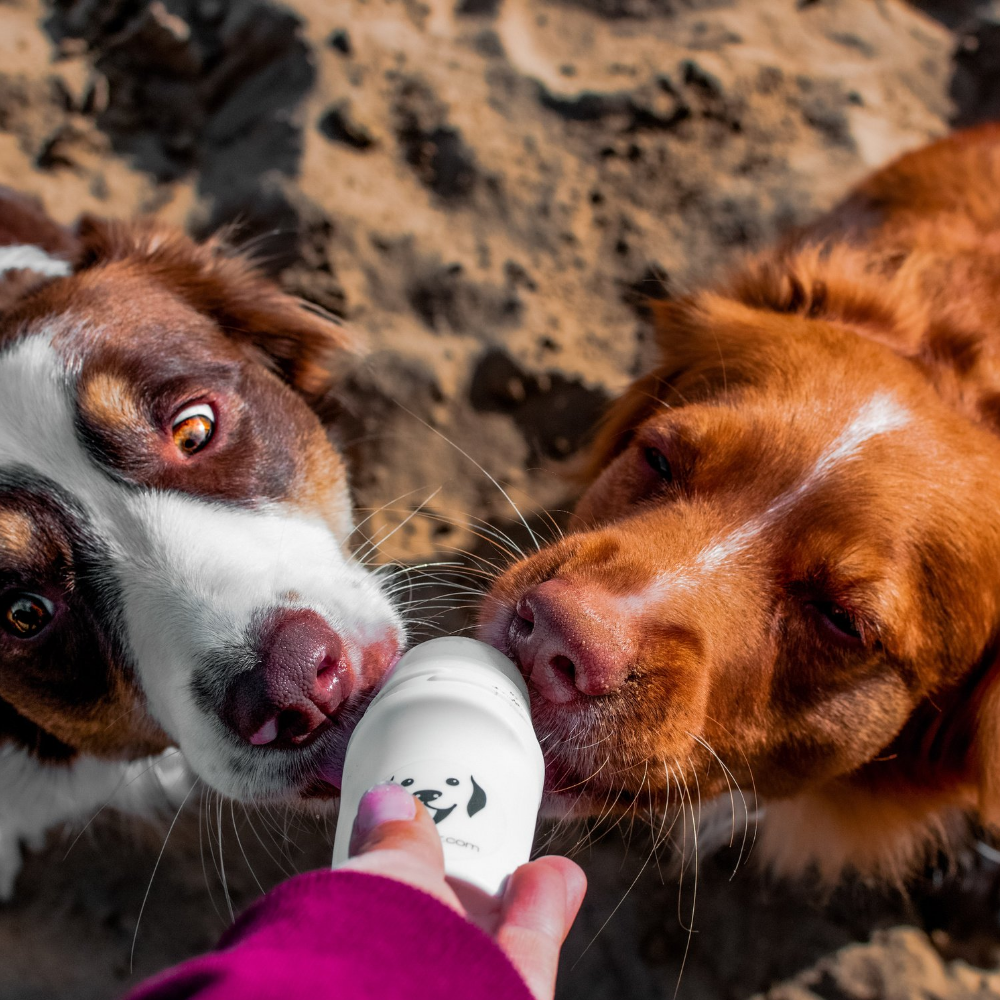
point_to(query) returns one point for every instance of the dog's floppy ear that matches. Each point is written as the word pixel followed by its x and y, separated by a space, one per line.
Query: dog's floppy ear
pixel 960 732
pixel 33 248
pixel 477 800
pixel 986 748
pixel 878 295
pixel 676 330
pixel 642 398
pixel 299 341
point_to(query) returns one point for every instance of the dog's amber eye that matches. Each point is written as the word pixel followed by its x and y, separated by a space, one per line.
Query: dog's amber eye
pixel 25 615
pixel 192 428
pixel 657 461
pixel 838 617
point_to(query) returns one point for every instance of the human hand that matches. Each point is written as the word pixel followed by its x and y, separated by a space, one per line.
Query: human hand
pixel 394 836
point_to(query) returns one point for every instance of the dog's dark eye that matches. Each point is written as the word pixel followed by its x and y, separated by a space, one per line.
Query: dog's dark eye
pixel 25 615
pixel 406 782
pixel 192 428
pixel 657 461
pixel 451 781
pixel 838 618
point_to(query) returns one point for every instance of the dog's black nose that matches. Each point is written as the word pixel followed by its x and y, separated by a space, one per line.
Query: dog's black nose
pixel 427 796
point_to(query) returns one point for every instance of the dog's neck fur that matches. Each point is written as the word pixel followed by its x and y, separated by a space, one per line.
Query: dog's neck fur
pixel 39 796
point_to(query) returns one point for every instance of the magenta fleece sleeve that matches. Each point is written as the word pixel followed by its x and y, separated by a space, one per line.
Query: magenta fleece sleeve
pixel 344 935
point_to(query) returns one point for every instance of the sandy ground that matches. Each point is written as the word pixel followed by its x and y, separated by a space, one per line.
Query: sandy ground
pixel 489 191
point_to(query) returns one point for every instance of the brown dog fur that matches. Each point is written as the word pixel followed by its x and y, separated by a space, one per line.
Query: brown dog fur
pixel 810 594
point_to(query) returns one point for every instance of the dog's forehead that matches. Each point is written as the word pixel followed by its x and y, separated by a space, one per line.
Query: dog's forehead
pixel 120 310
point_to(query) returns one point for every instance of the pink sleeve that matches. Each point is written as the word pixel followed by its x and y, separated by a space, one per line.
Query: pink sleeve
pixel 349 936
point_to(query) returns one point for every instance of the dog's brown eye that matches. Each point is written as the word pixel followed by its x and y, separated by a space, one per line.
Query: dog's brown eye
pixel 192 428
pixel 25 615
pixel 838 618
pixel 657 461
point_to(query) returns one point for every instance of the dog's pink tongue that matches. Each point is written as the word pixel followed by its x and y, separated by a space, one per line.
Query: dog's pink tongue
pixel 267 733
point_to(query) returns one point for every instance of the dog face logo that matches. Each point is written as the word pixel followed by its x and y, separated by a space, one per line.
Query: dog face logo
pixel 442 802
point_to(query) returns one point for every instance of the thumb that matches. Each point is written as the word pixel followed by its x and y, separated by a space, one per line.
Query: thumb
pixel 540 903
pixel 394 835
pixel 389 817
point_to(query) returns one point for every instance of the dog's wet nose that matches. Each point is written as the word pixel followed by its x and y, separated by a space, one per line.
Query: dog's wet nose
pixel 302 676
pixel 427 795
pixel 572 640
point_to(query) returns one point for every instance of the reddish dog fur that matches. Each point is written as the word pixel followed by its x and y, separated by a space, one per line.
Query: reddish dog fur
pixel 785 572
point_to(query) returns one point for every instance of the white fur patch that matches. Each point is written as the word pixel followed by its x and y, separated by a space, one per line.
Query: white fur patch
pixel 882 414
pixel 37 796
pixel 23 257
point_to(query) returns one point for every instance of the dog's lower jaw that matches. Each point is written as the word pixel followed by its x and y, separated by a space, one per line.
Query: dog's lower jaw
pixel 39 796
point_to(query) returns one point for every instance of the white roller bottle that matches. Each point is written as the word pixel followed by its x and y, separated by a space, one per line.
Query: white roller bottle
pixel 453 725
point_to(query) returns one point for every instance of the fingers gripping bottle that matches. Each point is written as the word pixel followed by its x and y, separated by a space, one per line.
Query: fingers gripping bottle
pixel 453 725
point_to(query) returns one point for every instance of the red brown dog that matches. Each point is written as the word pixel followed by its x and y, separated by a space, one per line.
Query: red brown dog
pixel 174 525
pixel 787 565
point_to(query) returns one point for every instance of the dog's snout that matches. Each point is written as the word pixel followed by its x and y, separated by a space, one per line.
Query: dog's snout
pixel 302 676
pixel 571 640
pixel 427 795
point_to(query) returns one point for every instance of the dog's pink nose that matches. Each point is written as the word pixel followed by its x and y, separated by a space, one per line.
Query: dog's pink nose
pixel 571 640
pixel 301 678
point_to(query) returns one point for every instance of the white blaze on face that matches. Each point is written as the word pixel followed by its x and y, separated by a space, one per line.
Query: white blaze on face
pixel 881 415
pixel 192 573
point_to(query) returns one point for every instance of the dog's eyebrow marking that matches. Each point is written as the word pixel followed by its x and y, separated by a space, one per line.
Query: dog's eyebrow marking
pixel 16 531
pixel 25 257
pixel 111 401
pixel 882 414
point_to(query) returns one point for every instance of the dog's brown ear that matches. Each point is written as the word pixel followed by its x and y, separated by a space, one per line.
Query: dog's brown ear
pixel 33 248
pixel 700 337
pixel 24 222
pixel 640 401
pixel 959 732
pixel 876 295
pixel 987 747
pixel 302 343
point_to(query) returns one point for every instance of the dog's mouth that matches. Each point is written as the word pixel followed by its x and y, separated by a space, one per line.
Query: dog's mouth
pixel 326 773
pixel 288 718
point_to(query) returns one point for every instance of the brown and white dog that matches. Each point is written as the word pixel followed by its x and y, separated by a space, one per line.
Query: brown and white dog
pixel 785 573
pixel 174 521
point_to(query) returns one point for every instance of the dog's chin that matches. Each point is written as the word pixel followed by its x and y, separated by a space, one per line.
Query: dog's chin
pixel 316 792
pixel 304 777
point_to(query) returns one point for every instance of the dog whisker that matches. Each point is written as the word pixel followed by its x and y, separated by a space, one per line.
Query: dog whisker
pixel 122 783
pixel 236 832
pixel 489 533
pixel 203 812
pixel 222 863
pixel 466 455
pixel 731 782
pixel 281 865
pixel 373 511
pixel 694 894
pixel 374 545
pixel 159 857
